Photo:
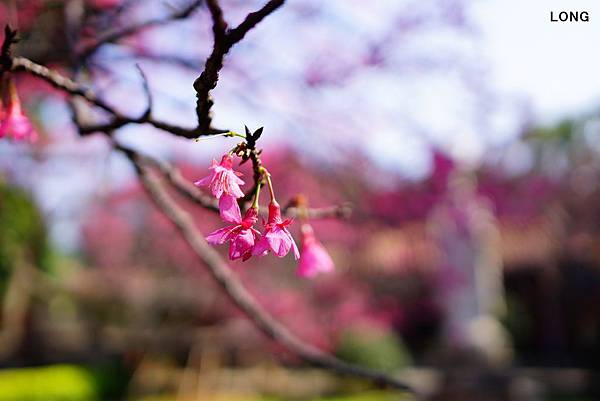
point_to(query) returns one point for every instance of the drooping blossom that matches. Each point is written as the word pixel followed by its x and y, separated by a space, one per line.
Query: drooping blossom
pixel 223 179
pixel 276 237
pixel 15 124
pixel 229 208
pixel 242 236
pixel 314 258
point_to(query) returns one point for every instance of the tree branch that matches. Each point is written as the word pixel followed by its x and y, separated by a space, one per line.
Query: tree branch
pixel 223 42
pixel 219 26
pixel 253 19
pixel 59 81
pixel 237 292
pixel 119 120
pixel 115 36
pixel 182 185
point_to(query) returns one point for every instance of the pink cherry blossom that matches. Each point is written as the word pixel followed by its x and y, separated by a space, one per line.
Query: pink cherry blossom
pixel 223 179
pixel 314 258
pixel 15 123
pixel 229 209
pixel 241 236
pixel 276 237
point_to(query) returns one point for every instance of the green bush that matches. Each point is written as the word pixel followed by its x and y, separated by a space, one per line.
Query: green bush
pixel 373 348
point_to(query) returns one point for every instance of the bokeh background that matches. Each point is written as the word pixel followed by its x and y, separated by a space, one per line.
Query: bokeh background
pixel 465 135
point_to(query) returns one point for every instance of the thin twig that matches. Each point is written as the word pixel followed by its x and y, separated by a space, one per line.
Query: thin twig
pixel 59 81
pixel 115 36
pixel 146 86
pixel 253 19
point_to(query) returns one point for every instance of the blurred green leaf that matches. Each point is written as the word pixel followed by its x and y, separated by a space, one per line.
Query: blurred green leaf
pixel 22 232
pixel 59 382
pixel 373 349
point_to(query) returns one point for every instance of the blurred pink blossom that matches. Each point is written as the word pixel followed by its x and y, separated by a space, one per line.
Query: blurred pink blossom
pixel 314 258
pixel 103 4
pixel 15 124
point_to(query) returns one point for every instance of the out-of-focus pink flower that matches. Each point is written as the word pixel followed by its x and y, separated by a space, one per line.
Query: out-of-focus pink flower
pixel 223 180
pixel 242 235
pixel 276 237
pixel 15 124
pixel 314 258
pixel 103 4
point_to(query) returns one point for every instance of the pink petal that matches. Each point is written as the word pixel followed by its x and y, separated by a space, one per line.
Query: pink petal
pixel 279 241
pixel 261 248
pixel 229 209
pixel 204 181
pixel 241 245
pixel 221 235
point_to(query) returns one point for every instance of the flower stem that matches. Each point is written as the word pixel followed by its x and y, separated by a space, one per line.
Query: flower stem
pixel 256 197
pixel 233 133
pixel 267 175
pixel 229 134
pixel 15 103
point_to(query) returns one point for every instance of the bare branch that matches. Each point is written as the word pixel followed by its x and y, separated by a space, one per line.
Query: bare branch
pixel 147 91
pixel 342 211
pixel 221 272
pixel 223 42
pixel 115 36
pixel 253 19
pixel 60 82
pixel 10 37
pixel 119 120
pixel 219 26
pixel 182 185
pixel 206 82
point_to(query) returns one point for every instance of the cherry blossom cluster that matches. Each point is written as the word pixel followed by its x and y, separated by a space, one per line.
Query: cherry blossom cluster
pixel 246 241
pixel 14 123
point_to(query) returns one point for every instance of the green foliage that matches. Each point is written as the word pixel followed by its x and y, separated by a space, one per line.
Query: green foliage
pixel 62 383
pixel 517 321
pixel 368 396
pixel 373 349
pixel 59 382
pixel 562 133
pixel 22 232
pixel 361 396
